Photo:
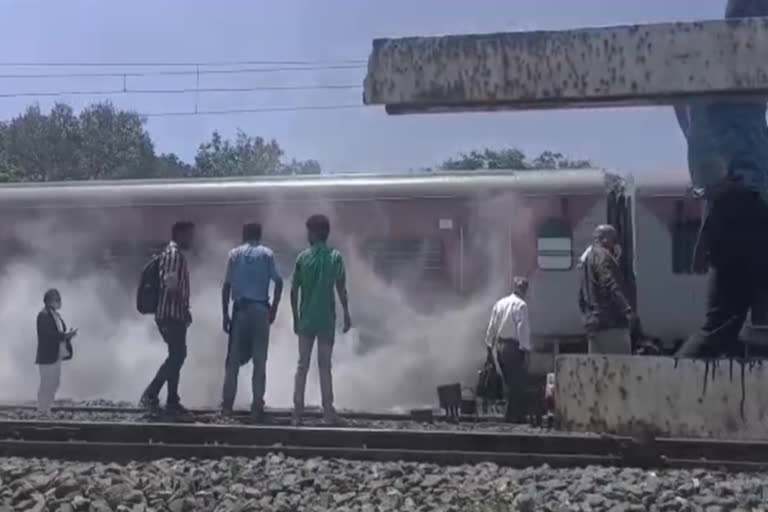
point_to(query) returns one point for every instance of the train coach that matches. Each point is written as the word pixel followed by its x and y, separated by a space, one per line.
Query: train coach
pixel 448 233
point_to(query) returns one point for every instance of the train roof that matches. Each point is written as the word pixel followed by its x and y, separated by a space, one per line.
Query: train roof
pixel 329 187
pixel 671 183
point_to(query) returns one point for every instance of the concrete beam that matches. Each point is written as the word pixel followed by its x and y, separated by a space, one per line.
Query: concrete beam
pixel 661 397
pixel 663 63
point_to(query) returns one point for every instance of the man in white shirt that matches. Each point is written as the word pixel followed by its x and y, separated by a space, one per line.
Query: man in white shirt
pixel 508 338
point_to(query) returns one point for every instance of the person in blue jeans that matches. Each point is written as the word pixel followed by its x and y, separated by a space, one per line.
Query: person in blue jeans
pixel 251 267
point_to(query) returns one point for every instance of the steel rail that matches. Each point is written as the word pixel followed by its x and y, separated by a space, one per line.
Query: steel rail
pixel 274 413
pixel 130 441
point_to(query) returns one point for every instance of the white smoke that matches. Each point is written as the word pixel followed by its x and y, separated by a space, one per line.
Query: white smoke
pixel 406 340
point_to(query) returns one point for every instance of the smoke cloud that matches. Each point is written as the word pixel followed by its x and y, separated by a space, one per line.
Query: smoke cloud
pixel 407 337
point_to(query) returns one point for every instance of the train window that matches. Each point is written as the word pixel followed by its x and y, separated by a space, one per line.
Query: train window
pixel 407 259
pixel 684 235
pixel 554 246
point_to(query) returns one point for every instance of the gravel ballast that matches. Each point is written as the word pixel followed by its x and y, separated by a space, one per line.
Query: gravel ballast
pixel 277 483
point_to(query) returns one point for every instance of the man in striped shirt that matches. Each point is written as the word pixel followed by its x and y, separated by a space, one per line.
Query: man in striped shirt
pixel 173 317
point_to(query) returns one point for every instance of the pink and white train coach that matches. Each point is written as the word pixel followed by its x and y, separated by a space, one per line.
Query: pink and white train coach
pixel 454 232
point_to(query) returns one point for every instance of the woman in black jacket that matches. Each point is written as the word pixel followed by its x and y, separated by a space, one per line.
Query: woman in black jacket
pixel 54 345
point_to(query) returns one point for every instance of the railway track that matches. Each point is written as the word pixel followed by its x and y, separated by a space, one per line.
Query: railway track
pixel 119 442
pixel 279 415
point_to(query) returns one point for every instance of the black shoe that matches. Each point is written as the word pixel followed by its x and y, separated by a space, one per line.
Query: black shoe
pixel 176 409
pixel 331 419
pixel 258 417
pixel 152 405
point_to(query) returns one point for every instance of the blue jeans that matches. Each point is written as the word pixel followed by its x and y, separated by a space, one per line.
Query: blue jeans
pixel 249 332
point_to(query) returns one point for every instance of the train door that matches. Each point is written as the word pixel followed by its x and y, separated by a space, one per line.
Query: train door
pixel 620 215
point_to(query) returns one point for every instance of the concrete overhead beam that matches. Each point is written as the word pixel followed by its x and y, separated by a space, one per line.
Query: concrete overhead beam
pixel 663 63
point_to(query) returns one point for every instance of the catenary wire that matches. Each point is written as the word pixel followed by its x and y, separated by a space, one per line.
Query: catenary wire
pixel 180 64
pixel 256 110
pixel 190 72
pixel 43 94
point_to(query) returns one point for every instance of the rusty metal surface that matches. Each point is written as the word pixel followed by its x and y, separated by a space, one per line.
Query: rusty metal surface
pixel 651 397
pixel 660 63
pixel 123 442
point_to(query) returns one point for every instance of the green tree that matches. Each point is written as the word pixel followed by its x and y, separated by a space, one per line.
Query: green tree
pixel 114 144
pixel 513 159
pixel 8 171
pixel 30 147
pixel 99 143
pixel 103 142
pixel 246 156
pixel 168 165
pixel 555 160
pixel 301 167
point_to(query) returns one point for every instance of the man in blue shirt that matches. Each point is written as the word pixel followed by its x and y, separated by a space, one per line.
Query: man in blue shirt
pixel 728 162
pixel 250 268
pixel 734 240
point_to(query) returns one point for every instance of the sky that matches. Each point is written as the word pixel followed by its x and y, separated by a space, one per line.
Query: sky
pixel 322 32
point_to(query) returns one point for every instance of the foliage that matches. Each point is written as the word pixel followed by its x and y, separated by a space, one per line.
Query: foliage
pixel 168 165
pixel 512 159
pixel 246 156
pixel 103 142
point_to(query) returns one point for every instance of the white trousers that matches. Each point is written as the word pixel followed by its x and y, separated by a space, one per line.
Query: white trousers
pixel 50 375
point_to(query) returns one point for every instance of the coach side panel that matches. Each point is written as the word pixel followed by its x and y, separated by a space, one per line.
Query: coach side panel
pixel 671 298
pixel 554 274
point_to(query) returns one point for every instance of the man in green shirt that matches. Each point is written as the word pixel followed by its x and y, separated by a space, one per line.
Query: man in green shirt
pixel 319 269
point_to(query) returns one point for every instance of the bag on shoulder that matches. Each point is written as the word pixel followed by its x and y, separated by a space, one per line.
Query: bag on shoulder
pixel 148 292
pixel 489 384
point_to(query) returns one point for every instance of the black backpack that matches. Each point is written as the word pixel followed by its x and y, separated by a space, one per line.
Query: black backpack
pixel 148 292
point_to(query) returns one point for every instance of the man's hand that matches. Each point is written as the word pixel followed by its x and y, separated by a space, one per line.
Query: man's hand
pixel 71 334
pixel 226 324
pixel 497 365
pixel 272 313
pixel 631 318
pixel 189 318
pixel 295 325
pixel 347 323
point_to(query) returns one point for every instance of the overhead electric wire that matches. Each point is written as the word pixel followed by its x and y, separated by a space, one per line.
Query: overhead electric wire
pixel 180 64
pixel 190 72
pixel 256 110
pixel 188 90
pixel 196 69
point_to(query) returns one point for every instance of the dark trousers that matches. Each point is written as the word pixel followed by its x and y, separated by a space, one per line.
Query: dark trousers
pixel 514 367
pixel 736 234
pixel 249 335
pixel 174 333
